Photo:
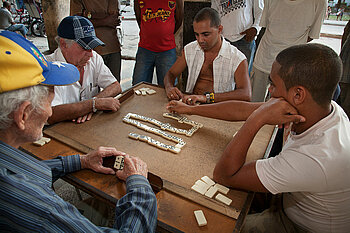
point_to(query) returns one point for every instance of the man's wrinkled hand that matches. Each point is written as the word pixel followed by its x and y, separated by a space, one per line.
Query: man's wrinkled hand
pixel 108 103
pixel 132 166
pixel 94 159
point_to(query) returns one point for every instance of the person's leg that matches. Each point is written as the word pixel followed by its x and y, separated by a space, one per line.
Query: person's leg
pixel 248 49
pixel 273 219
pixel 259 81
pixel 345 97
pixel 270 221
pixel 164 61
pixel 144 66
pixel 113 62
pixel 18 27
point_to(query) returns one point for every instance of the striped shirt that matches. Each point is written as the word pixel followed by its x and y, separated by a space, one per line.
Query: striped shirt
pixel 29 204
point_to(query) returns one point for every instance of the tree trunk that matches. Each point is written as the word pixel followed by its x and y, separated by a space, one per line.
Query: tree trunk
pixel 53 12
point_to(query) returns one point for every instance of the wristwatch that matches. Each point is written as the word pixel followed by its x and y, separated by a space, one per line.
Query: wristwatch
pixel 94 109
pixel 209 97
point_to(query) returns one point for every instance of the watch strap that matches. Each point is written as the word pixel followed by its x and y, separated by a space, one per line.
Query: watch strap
pixel 94 109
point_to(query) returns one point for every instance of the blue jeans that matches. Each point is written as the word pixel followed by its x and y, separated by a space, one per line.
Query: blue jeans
pixel 248 49
pixel 18 27
pixel 146 60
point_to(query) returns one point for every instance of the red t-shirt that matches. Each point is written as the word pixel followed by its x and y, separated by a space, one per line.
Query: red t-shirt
pixel 157 25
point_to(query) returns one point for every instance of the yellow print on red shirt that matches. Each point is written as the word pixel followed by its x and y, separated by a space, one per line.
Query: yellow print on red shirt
pixel 162 14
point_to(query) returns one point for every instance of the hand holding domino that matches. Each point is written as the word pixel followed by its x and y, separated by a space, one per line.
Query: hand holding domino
pixel 132 166
pixel 94 159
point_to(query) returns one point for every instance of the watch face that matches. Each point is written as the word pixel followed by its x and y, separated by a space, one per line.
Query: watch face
pixel 208 97
pixel 89 15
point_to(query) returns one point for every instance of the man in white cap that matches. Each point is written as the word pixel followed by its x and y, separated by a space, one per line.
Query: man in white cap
pixel 27 201
pixel 76 40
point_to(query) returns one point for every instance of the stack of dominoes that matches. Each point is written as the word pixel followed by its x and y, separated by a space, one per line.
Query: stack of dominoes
pixel 42 141
pixel 208 187
pixel 144 91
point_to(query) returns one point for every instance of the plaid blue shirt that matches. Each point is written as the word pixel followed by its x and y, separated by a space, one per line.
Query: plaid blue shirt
pixel 29 204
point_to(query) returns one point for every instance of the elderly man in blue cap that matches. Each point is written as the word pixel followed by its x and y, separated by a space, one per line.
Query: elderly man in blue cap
pixel 77 102
pixel 27 201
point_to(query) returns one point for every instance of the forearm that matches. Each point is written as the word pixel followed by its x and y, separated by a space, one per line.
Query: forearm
pixel 177 25
pixel 70 111
pixel 141 215
pixel 110 91
pixel 228 110
pixel 169 80
pixel 234 156
pixel 257 11
pixel 179 15
pixel 237 94
pixel 137 11
pixel 62 165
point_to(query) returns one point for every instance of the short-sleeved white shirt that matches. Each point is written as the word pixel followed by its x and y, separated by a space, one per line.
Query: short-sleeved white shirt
pixel 96 75
pixel 287 23
pixel 238 16
pixel 224 66
pixel 313 173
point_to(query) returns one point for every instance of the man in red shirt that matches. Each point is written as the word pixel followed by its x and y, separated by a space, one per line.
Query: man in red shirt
pixel 158 20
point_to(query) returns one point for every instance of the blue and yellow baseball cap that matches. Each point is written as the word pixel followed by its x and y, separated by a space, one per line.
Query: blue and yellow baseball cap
pixel 22 65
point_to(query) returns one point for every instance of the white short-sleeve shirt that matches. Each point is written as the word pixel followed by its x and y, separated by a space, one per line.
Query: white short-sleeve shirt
pixel 287 23
pixel 313 173
pixel 238 16
pixel 96 75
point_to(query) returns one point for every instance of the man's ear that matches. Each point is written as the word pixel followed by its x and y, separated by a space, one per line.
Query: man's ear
pixel 299 94
pixel 21 115
pixel 220 28
pixel 63 43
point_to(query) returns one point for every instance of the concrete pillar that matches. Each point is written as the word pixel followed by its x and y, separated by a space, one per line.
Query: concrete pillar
pixel 53 12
